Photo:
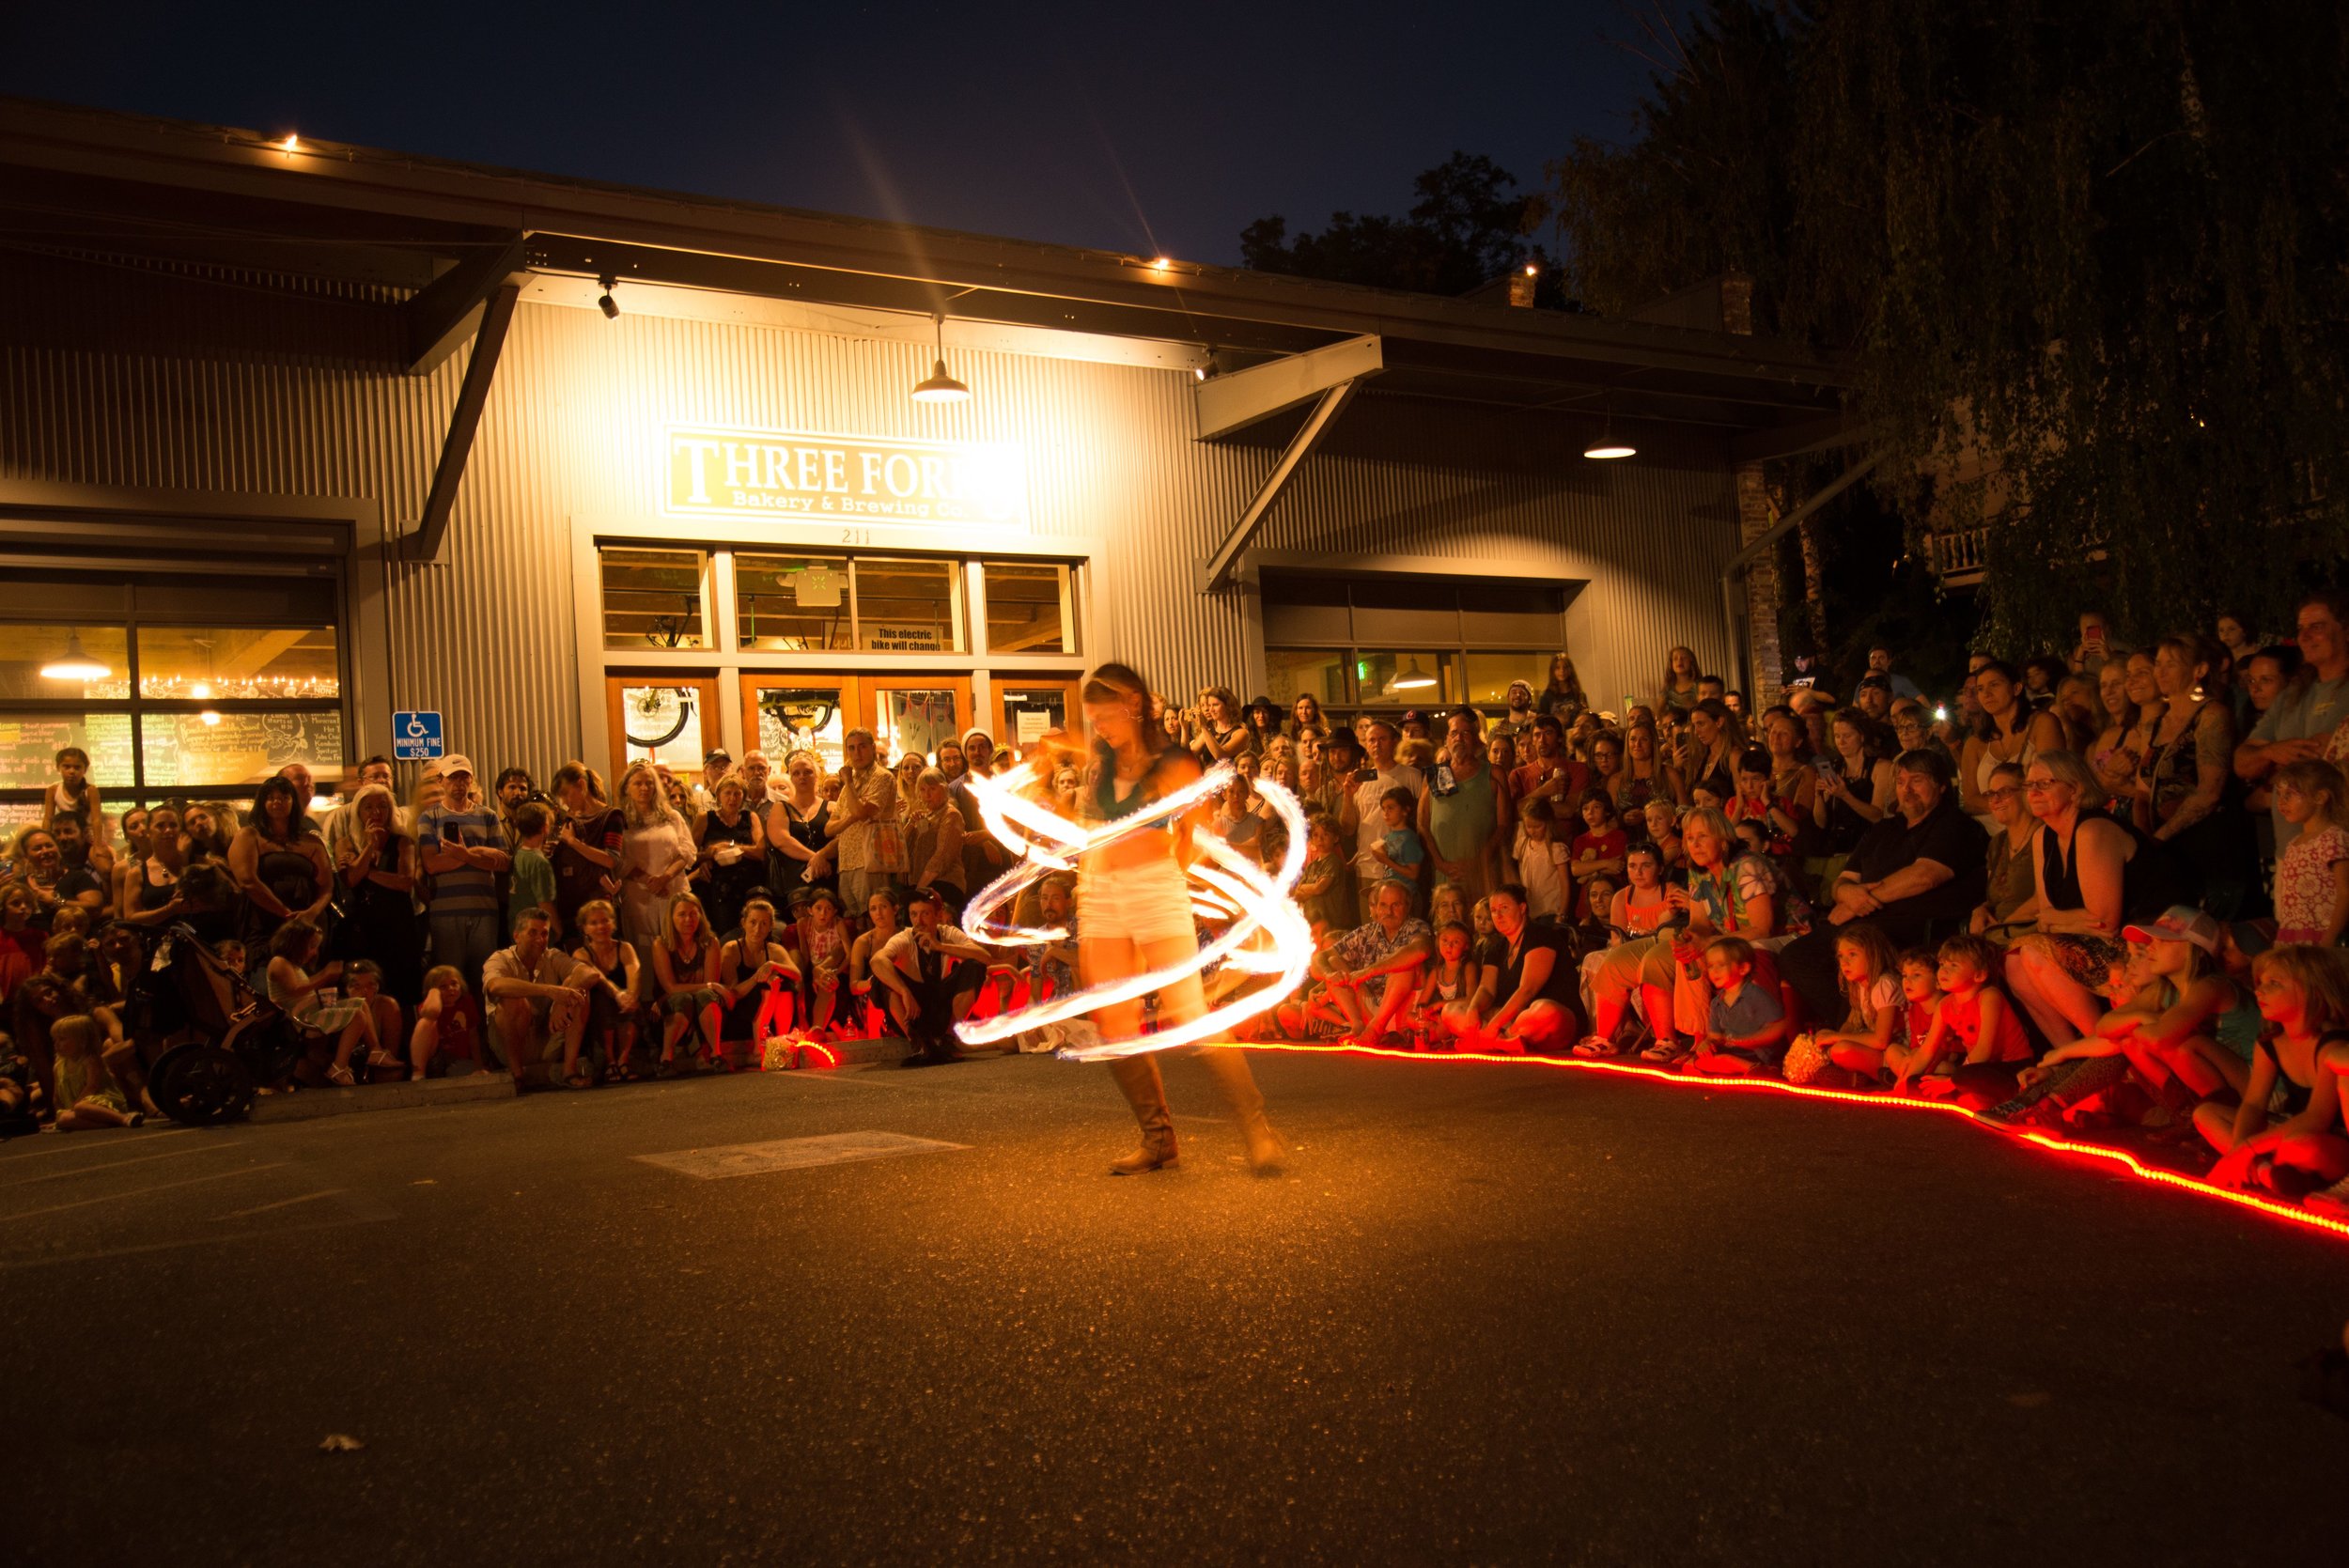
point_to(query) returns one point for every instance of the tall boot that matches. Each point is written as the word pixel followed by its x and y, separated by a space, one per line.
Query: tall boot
pixel 1138 1076
pixel 1237 1085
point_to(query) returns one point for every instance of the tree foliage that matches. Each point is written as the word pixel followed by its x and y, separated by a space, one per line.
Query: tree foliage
pixel 2091 263
pixel 1467 228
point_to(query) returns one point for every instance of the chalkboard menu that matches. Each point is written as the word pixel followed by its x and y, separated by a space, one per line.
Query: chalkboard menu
pixel 29 744
pixel 244 748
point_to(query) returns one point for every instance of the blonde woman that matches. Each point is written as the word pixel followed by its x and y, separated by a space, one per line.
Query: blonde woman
pixel 656 856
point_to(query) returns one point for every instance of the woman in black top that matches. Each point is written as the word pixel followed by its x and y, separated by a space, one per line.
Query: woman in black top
pixel 733 850
pixel 2286 1134
pixel 2082 862
pixel 280 865
pixel 379 876
pixel 795 829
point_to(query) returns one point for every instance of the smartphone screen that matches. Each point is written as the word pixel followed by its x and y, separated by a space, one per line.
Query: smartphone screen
pixel 452 832
pixel 1366 775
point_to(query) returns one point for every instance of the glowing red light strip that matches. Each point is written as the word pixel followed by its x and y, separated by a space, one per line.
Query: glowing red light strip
pixel 2273 1207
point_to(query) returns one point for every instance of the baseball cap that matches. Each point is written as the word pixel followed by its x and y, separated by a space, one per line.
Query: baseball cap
pixel 716 753
pixel 458 762
pixel 1414 715
pixel 2180 923
pixel 923 896
pixel 1517 686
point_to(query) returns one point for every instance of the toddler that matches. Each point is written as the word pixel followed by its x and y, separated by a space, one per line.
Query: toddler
pixel 87 1096
pixel 1974 1018
pixel 363 979
pixel 1450 986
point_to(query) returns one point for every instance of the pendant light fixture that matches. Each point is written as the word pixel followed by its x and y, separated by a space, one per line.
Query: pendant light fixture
pixel 1606 448
pixel 1412 679
pixel 75 664
pixel 940 387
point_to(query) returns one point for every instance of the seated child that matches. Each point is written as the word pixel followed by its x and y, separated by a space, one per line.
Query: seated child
pixel 363 978
pixel 1920 1002
pixel 1449 990
pixel 1870 971
pixel 448 1027
pixel 1973 1023
pixel 1744 1023
pixel 87 1096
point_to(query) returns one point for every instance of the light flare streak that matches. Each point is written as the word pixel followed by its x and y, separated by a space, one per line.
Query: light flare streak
pixel 1269 938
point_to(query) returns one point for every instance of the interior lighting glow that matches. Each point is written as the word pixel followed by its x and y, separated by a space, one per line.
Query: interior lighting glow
pixel 75 663
pixel 1606 449
pixel 291 142
pixel 1412 679
pixel 1269 937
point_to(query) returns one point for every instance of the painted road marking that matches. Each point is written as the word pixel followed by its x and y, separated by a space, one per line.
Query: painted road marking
pixel 119 1164
pixel 76 1144
pixel 141 1191
pixel 281 1203
pixel 793 1153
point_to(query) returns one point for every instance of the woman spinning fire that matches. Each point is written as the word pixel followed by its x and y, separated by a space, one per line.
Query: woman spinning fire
pixel 1134 915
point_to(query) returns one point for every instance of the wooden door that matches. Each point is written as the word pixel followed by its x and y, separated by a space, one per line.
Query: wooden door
pixel 786 711
pixel 914 713
pixel 1040 702
pixel 663 718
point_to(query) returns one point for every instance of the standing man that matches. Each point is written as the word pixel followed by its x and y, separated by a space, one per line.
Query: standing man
pixel 716 765
pixel 868 796
pixel 1464 817
pixel 464 848
pixel 2304 715
pixel 1363 817
pixel 933 972
pixel 1549 774
pixel 1520 715
pixel 1880 663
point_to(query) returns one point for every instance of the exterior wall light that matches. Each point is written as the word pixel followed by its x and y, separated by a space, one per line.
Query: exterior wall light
pixel 940 387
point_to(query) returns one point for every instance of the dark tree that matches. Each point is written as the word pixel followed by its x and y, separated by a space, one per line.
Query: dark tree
pixel 1466 228
pixel 2091 263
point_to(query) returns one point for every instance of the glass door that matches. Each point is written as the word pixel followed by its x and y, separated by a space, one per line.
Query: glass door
pixel 782 713
pixel 914 713
pixel 666 719
pixel 1028 706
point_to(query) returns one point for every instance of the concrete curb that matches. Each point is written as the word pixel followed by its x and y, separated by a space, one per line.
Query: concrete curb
pixel 309 1104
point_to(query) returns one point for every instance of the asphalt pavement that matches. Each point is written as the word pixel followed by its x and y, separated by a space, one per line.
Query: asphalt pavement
pixel 1493 1314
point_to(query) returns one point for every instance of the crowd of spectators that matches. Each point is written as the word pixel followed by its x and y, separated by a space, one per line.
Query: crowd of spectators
pixel 2093 891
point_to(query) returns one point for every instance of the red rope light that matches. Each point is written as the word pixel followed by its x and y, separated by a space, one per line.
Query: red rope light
pixel 2273 1207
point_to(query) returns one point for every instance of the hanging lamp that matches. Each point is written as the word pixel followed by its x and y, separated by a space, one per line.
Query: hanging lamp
pixel 940 387
pixel 74 664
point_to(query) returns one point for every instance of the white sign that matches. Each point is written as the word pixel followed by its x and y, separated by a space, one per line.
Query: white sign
pixel 713 471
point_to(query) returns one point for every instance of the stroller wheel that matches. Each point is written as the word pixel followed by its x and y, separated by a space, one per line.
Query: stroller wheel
pixel 200 1086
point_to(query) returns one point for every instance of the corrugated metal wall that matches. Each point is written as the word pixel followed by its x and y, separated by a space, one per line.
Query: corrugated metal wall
pixel 239 388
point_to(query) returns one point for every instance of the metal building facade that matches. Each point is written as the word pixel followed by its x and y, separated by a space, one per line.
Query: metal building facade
pixel 139 380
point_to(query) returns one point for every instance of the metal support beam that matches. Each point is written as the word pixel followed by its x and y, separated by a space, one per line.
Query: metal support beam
pixel 1219 568
pixel 497 314
pixel 443 313
pixel 1779 530
pixel 1236 400
pixel 1798 439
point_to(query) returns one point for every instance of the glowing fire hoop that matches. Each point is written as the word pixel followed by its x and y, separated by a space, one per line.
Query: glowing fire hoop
pixel 1268 939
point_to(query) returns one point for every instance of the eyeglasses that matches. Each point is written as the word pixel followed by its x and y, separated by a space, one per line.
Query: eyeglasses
pixel 2040 786
pixel 2005 793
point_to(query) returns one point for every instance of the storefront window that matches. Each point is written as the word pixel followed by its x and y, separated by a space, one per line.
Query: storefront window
pixel 916 722
pixel 1405 679
pixel 663 723
pixel 802 718
pixel 91 663
pixel 792 604
pixel 1491 671
pixel 908 606
pixel 1294 673
pixel 1027 607
pixel 239 664
pixel 1029 712
pixel 652 598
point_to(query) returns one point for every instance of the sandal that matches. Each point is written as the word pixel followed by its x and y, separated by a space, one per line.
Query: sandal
pixel 579 1077
pixel 1594 1045
pixel 340 1076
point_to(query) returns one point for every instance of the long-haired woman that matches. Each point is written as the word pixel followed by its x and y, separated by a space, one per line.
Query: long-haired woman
pixel 1679 691
pixel 1564 695
pixel 1134 915
pixel 656 854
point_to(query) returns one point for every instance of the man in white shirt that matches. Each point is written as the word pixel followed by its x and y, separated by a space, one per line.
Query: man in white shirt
pixel 537 998
pixel 933 973
pixel 1371 784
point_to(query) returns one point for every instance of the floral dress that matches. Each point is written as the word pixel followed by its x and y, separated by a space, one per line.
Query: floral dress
pixel 2305 888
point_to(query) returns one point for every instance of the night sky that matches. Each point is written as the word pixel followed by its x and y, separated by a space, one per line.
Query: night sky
pixel 1154 129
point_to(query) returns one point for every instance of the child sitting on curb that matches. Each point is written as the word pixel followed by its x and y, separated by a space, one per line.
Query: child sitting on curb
pixel 1745 1024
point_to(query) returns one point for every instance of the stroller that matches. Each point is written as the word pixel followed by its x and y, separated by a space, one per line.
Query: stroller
pixel 209 1040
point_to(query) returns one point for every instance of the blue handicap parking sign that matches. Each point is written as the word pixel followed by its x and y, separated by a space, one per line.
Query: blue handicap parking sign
pixel 415 737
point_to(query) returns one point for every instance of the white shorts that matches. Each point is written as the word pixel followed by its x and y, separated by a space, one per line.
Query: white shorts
pixel 1148 903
